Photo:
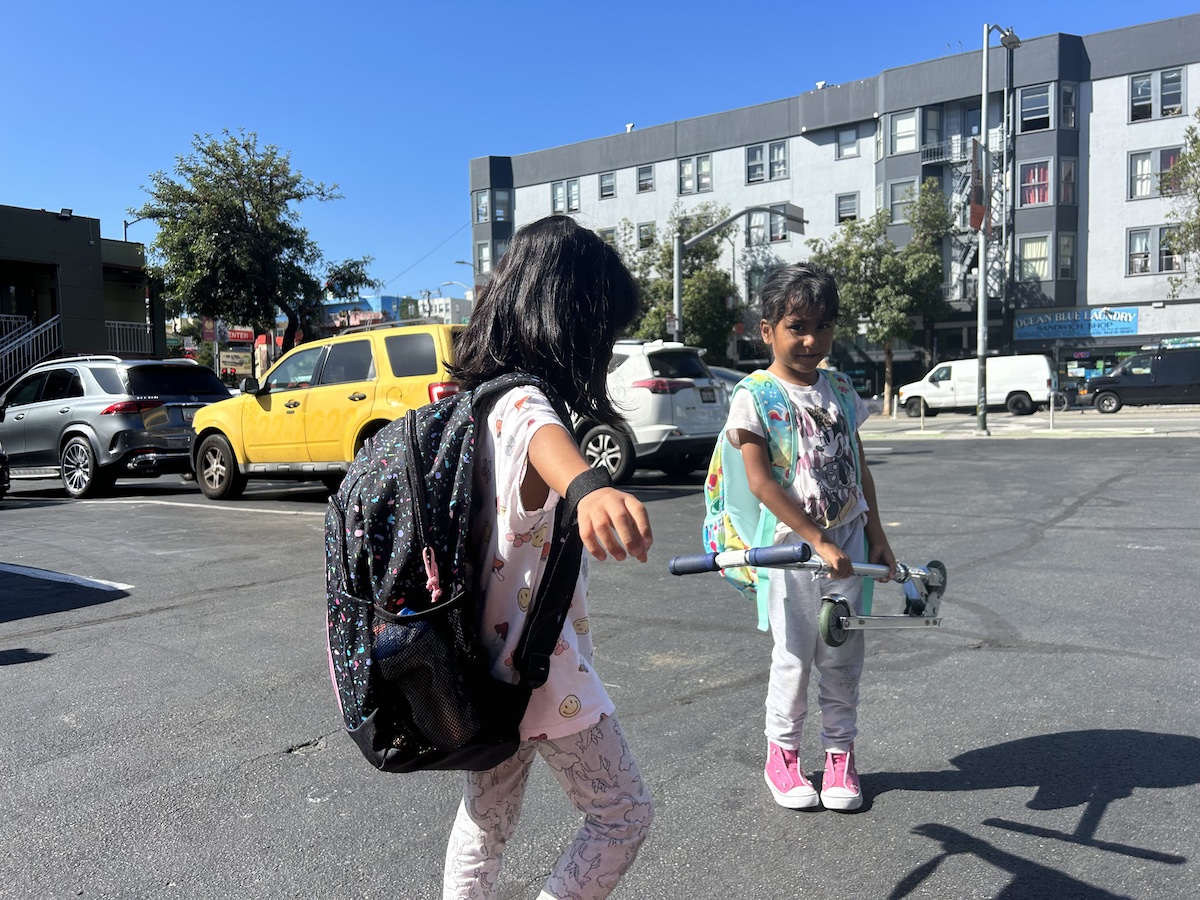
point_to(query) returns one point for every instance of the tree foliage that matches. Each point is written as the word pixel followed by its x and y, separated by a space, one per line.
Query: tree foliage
pixel 1182 182
pixel 884 287
pixel 229 242
pixel 707 313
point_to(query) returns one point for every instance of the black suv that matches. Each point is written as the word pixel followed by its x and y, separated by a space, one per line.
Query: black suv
pixel 90 420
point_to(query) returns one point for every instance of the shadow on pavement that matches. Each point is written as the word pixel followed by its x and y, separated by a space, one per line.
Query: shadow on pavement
pixel 23 597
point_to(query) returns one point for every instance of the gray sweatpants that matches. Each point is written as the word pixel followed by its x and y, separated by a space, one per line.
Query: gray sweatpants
pixel 793 604
pixel 601 778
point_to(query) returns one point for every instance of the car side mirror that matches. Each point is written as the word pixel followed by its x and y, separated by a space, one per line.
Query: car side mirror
pixel 249 386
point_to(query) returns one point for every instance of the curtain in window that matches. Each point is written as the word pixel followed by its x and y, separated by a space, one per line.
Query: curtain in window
pixel 1035 258
pixel 1140 175
pixel 1035 183
pixel 1139 252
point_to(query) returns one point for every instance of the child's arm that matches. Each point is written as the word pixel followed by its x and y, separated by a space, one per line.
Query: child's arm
pixel 775 498
pixel 879 551
pixel 609 519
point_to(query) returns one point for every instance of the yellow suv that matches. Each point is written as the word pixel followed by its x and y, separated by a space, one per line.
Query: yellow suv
pixel 317 405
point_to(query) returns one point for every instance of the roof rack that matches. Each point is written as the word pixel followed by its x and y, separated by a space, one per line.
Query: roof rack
pixel 69 359
pixel 376 326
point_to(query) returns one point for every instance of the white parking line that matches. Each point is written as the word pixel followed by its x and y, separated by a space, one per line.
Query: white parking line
pixel 211 508
pixel 48 575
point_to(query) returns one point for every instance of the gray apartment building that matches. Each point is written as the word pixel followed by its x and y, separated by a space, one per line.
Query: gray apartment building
pixel 1079 129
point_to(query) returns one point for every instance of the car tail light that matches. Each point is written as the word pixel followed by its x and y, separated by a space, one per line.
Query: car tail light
pixel 664 385
pixel 131 407
pixel 441 389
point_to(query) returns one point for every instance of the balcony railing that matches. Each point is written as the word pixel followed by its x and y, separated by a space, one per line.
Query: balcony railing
pixel 23 347
pixel 957 148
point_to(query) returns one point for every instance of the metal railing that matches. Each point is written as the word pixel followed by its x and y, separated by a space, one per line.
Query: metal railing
pixel 129 337
pixel 20 349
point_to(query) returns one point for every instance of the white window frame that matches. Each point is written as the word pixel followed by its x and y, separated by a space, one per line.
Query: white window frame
pixel 558 197
pixel 645 184
pixel 1068 110
pixel 777 160
pixel 572 195
pixel 1067 255
pixel 894 202
pixel 647 234
pixel 612 185
pixel 483 207
pixel 1022 274
pixel 695 175
pixel 905 137
pixel 1164 252
pixel 1022 184
pixel 483 257
pixel 1048 116
pixel 1068 166
pixel 837 208
pixel 1144 257
pixel 1152 101
pixel 846 142
pixel 1151 178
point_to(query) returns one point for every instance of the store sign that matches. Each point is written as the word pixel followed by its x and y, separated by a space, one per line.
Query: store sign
pixel 1076 323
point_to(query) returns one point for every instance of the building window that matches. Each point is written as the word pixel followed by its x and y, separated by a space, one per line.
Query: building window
pixel 1139 252
pixel 1156 95
pixel 1067 105
pixel 645 177
pixel 778 161
pixel 1148 168
pixel 933 127
pixel 763 229
pixel 756 167
pixel 645 235
pixel 503 211
pixel 501 245
pixel 1066 256
pixel 695 174
pixel 904 132
pixel 1035 183
pixel 483 258
pixel 608 235
pixel 778 224
pixel 573 195
pixel 847 143
pixel 482 207
pixel 1033 256
pixel 1169 260
pixel 900 198
pixel 878 141
pixel 1066 182
pixel 608 185
pixel 847 208
pixel 558 197
pixel 1035 108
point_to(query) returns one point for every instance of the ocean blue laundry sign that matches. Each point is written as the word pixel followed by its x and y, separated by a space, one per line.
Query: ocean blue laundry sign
pixel 1097 321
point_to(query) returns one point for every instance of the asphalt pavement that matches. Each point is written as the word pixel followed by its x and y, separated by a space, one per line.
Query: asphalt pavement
pixel 171 731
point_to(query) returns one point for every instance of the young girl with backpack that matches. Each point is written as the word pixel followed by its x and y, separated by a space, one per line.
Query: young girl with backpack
pixel 819 491
pixel 556 303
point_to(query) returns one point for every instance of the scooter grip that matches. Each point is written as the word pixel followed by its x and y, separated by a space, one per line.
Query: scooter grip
pixel 779 555
pixel 693 565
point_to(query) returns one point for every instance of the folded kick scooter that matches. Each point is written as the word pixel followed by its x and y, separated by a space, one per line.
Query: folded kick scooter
pixel 923 586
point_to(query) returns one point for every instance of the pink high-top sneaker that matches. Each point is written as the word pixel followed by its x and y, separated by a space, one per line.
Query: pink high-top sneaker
pixel 786 779
pixel 839 785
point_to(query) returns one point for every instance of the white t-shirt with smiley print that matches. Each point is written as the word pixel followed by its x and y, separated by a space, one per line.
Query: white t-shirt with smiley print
pixel 573 698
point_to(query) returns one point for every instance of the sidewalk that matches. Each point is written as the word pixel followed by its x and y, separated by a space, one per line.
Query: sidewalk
pixel 1161 421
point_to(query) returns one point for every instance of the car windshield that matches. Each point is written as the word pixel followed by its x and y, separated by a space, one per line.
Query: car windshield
pixel 678 364
pixel 147 381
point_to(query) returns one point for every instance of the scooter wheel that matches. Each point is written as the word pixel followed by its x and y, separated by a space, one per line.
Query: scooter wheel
pixel 833 631
pixel 941 589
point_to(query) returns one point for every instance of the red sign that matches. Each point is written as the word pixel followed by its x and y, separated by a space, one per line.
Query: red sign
pixel 241 335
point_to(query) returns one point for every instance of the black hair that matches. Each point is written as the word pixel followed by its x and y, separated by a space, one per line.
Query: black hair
pixel 801 288
pixel 558 299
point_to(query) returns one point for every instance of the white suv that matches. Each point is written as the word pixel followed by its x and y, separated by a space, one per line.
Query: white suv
pixel 673 407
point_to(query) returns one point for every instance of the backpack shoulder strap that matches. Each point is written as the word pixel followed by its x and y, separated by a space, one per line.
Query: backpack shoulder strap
pixel 775 413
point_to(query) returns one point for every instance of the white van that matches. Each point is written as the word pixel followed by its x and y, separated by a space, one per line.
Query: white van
pixel 1018 383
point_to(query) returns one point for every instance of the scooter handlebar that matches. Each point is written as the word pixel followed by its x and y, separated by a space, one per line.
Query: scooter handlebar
pixel 775 556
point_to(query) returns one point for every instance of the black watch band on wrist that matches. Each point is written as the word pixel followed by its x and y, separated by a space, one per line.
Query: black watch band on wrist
pixel 582 485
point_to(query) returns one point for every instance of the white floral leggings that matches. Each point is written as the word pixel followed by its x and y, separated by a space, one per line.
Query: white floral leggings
pixel 599 775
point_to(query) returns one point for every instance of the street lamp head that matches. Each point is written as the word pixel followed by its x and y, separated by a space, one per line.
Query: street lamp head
pixel 1009 39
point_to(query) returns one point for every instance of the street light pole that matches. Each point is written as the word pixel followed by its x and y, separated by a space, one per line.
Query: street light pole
pixel 1010 41
pixel 134 222
pixel 795 223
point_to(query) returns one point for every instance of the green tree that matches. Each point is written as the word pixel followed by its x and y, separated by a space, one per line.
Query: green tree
pixel 883 286
pixel 1182 181
pixel 708 317
pixel 229 242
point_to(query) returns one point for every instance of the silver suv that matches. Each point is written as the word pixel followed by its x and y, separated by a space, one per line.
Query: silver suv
pixel 673 407
pixel 92 419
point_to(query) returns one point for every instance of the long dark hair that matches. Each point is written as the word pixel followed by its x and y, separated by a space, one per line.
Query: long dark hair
pixel 557 300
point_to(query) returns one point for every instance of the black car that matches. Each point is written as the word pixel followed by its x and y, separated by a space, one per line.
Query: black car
pixel 90 420
pixel 1163 375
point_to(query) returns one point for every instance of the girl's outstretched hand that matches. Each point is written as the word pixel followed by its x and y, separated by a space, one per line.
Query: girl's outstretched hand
pixel 614 522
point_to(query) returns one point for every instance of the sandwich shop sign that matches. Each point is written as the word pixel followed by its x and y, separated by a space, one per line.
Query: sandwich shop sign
pixel 1100 321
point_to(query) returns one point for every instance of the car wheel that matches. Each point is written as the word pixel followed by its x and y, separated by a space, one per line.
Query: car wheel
pixel 682 466
pixel 606 448
pixel 217 469
pixel 332 482
pixel 81 474
pixel 1108 402
pixel 1020 405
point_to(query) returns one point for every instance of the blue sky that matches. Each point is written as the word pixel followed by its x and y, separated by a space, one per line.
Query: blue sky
pixel 390 101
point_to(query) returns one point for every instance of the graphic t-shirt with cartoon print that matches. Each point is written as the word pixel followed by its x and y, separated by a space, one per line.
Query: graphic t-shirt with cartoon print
pixel 573 698
pixel 826 481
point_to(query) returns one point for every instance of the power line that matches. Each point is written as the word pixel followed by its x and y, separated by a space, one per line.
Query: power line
pixel 429 254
